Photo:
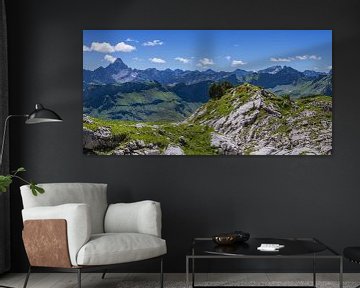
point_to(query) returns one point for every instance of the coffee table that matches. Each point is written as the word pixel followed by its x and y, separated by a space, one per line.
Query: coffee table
pixel 295 248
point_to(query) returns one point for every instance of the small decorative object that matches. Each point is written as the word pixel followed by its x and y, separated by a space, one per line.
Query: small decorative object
pixel 225 239
pixel 231 238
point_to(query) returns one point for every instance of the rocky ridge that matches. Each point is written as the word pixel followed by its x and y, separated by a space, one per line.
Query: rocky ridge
pixel 257 122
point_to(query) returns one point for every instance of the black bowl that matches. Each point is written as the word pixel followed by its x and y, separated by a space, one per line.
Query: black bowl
pixel 231 238
pixel 225 239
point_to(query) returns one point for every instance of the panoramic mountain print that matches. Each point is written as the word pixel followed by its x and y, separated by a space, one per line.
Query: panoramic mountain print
pixel 207 92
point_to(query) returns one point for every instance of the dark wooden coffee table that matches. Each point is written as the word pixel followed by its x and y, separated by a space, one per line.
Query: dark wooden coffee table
pixel 295 248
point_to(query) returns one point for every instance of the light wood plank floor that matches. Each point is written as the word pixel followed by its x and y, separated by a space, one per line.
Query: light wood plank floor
pixel 114 280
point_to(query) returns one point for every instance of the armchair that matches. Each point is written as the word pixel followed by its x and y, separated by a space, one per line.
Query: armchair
pixel 71 228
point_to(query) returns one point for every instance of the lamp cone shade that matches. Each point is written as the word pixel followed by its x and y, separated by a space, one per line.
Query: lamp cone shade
pixel 42 115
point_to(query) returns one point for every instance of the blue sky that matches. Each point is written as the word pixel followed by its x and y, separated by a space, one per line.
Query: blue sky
pixel 224 50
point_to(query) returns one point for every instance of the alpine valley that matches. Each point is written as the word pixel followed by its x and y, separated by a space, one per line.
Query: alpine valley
pixel 274 111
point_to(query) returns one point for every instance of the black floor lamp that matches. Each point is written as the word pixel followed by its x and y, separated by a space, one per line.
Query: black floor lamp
pixel 39 115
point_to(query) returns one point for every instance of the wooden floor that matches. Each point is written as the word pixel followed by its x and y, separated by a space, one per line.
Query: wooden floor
pixel 114 280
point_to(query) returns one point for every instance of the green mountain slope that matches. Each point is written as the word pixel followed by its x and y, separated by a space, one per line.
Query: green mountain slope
pixel 247 120
pixel 136 102
pixel 319 86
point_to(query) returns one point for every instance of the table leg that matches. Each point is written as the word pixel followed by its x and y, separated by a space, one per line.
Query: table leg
pixel 314 271
pixel 193 272
pixel 341 273
pixel 187 272
pixel 193 267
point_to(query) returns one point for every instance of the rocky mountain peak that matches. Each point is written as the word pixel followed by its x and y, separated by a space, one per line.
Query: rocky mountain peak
pixel 271 69
pixel 288 69
pixel 118 65
pixel 209 71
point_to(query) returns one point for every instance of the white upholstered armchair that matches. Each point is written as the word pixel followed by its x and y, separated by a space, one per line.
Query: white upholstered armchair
pixel 72 228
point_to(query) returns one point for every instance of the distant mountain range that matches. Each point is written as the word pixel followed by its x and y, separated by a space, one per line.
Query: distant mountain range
pixel 120 92
pixel 118 73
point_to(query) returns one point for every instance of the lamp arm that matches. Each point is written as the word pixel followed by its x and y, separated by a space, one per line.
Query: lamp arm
pixel 4 134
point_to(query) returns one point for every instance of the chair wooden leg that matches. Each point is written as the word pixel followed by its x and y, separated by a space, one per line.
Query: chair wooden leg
pixel 79 278
pixel 27 277
pixel 103 275
pixel 161 273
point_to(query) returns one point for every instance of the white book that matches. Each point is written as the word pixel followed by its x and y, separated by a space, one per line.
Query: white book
pixel 270 247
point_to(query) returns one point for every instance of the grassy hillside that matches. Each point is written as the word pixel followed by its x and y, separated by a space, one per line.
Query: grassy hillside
pixel 319 86
pixel 136 102
pixel 193 139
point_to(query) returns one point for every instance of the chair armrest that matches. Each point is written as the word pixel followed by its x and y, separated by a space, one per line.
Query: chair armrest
pixel 52 250
pixel 78 223
pixel 138 217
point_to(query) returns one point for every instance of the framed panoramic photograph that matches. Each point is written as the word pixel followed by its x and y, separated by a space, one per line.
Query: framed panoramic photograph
pixel 207 92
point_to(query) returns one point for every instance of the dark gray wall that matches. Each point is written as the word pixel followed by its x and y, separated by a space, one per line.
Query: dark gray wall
pixel 268 196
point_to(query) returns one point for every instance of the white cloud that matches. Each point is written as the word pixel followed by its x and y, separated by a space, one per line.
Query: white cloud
pixel 314 57
pixel 182 60
pixel 110 58
pixel 307 57
pixel 329 67
pixel 131 40
pixel 304 57
pixel 86 48
pixel 299 57
pixel 123 47
pixel 153 43
pixel 105 47
pixel 157 60
pixel 206 62
pixel 228 58
pixel 273 59
pixel 137 59
pixel 237 63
